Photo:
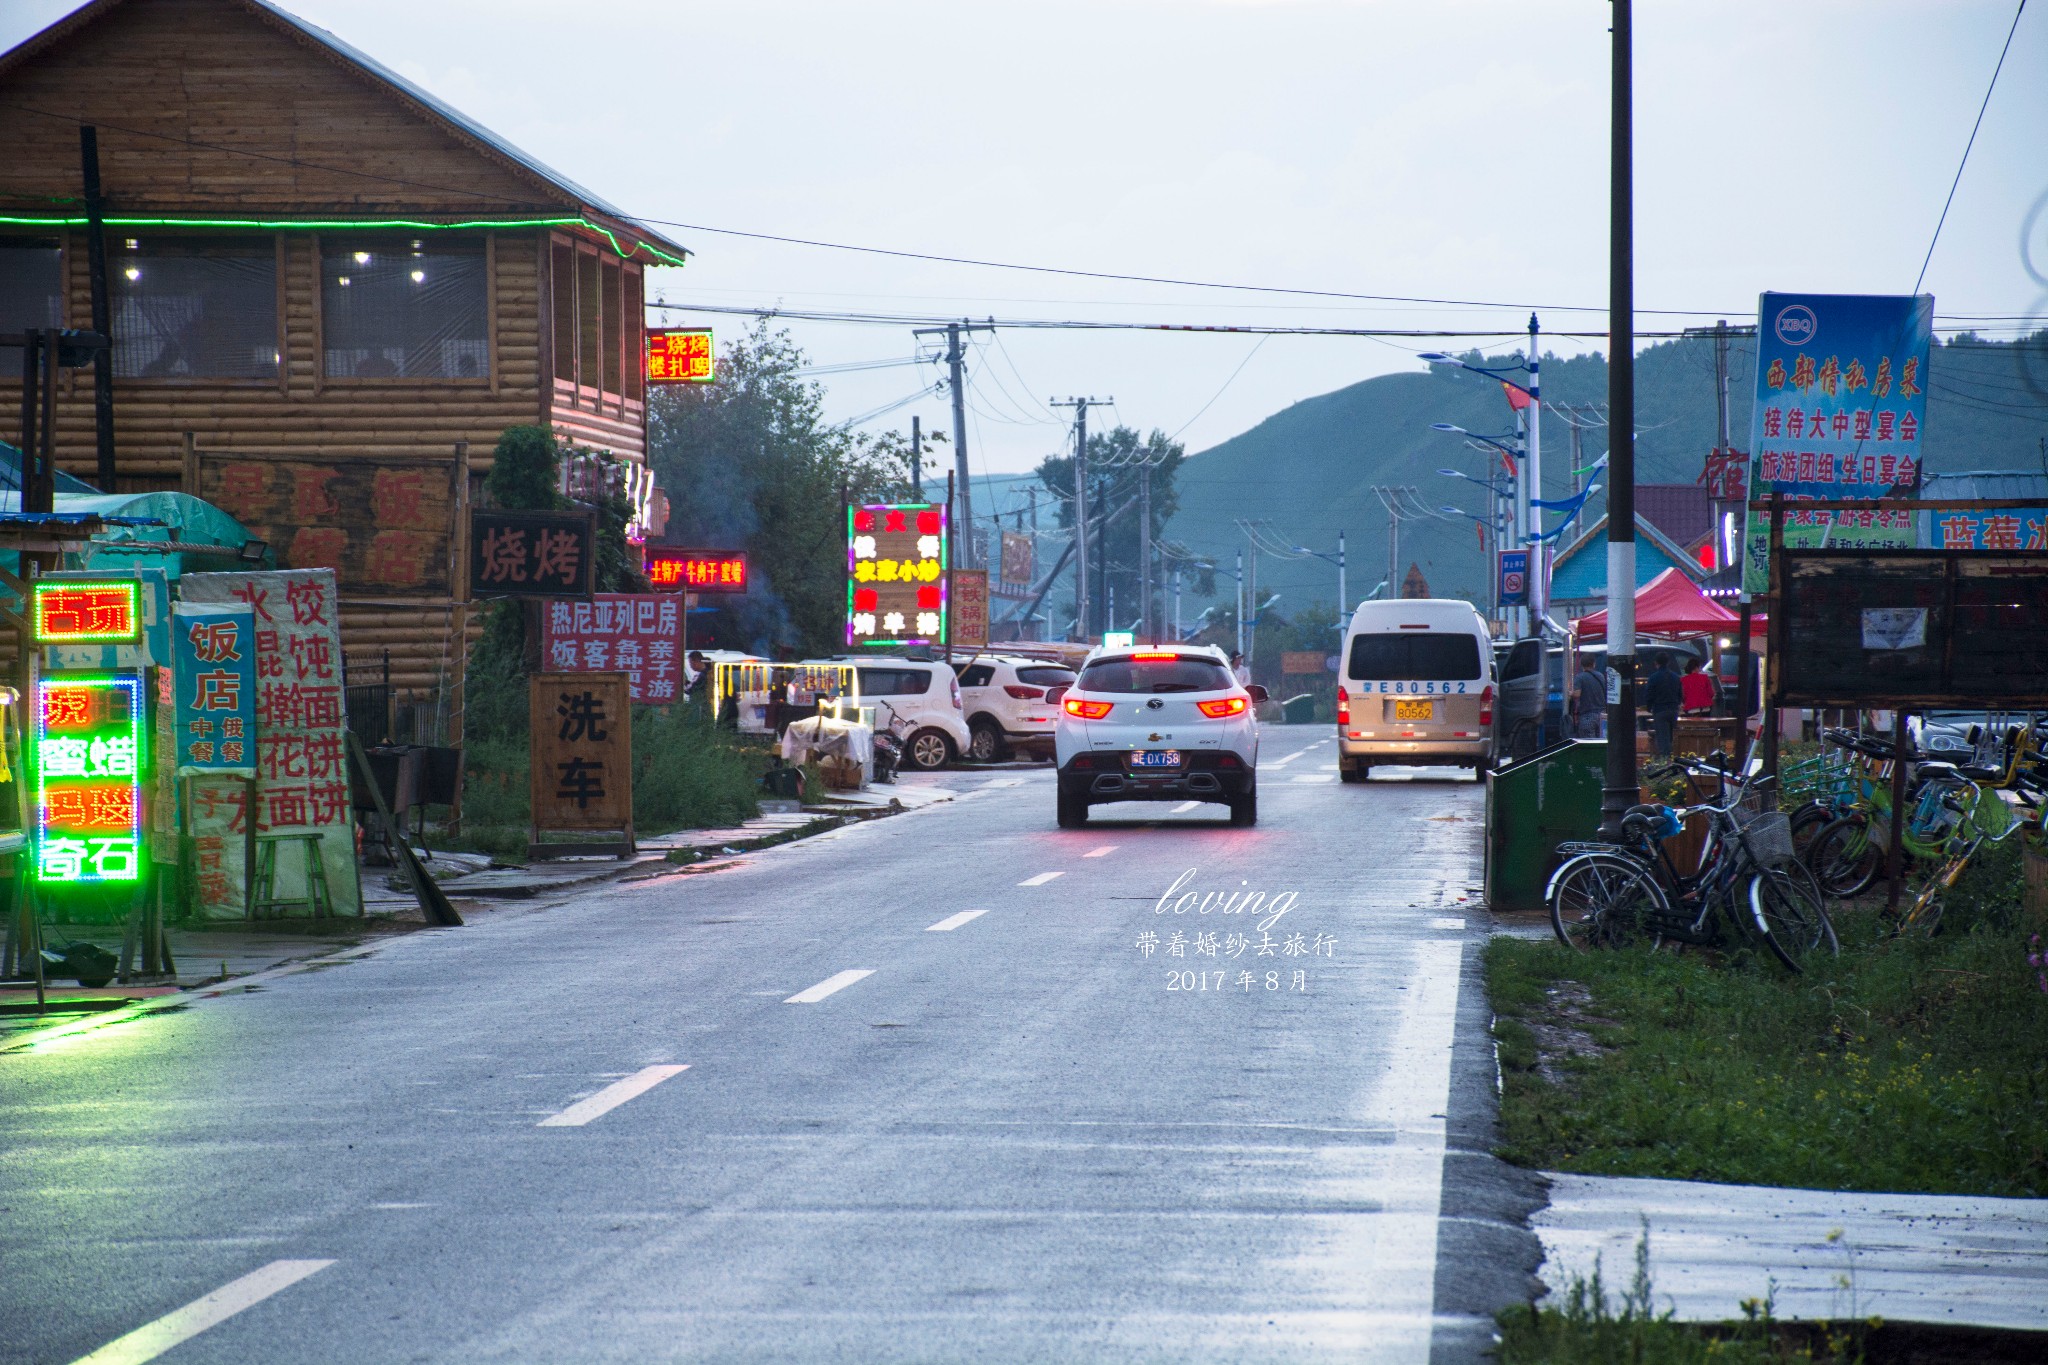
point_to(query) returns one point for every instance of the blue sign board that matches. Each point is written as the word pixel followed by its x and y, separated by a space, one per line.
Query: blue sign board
pixel 1513 583
pixel 215 677
pixel 1841 412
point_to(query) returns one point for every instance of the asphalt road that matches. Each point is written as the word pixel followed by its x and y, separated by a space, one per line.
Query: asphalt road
pixel 675 1121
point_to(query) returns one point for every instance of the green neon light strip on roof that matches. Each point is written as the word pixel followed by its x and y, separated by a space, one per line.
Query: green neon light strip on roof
pixel 317 224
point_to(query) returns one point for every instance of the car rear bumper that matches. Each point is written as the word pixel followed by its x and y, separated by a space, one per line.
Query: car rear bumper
pixel 1462 752
pixel 1106 775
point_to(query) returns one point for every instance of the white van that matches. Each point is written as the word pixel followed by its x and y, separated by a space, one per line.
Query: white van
pixel 1416 687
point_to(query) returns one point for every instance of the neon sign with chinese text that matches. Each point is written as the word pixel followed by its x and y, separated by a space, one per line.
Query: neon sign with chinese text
pixel 89 761
pixel 679 355
pixel 70 612
pixel 696 570
pixel 896 574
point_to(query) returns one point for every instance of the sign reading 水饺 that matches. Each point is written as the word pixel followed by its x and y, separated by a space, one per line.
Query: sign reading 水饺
pixel 214 727
pixel 1841 406
pixel 89 758
pixel 531 554
pixel 637 634
pixel 679 355
pixel 302 781
pixel 582 760
pixel 895 574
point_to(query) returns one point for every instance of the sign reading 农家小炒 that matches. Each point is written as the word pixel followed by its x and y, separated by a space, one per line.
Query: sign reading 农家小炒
pixel 895 574
pixel 80 611
pixel 214 729
pixel 89 758
pixel 531 554
pixel 679 355
pixel 637 634
pixel 1841 403
pixel 677 570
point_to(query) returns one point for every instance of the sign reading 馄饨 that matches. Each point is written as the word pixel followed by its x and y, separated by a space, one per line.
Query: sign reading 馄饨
pixel 679 355
pixel 1841 404
pixel 637 634
pixel 531 554
pixel 582 760
pixel 671 569
pixel 82 612
pixel 895 575
pixel 214 724
pixel 89 758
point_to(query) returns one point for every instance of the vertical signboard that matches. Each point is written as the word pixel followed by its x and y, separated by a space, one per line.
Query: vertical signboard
pixel 302 784
pixel 969 605
pixel 582 763
pixel 1841 403
pixel 637 634
pixel 895 575
pixel 214 727
pixel 1513 583
pixel 89 760
pixel 679 355
pixel 1016 563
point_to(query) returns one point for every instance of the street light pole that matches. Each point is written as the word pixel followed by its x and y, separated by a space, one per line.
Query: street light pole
pixel 1621 790
pixel 1539 587
pixel 1343 611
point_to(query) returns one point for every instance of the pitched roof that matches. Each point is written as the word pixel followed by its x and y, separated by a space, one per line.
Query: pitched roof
pixel 1682 511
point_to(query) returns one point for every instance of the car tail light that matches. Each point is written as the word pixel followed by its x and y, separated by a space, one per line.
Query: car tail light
pixel 1083 761
pixel 1086 710
pixel 1226 706
pixel 1486 707
pixel 1156 654
pixel 1024 693
pixel 1343 707
pixel 1228 761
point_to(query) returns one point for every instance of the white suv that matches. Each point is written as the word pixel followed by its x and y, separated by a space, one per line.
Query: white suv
pixel 1007 711
pixel 1158 725
pixel 922 697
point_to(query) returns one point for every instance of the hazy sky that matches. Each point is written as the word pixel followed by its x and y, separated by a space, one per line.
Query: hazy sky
pixel 1446 150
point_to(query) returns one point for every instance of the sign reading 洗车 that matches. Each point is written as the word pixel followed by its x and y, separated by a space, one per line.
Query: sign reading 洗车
pixel 582 761
pixel 531 554
pixel 214 727
pixel 1841 406
pixel 895 574
pixel 637 634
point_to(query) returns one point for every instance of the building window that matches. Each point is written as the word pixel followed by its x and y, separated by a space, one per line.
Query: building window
pixel 564 277
pixel 31 294
pixel 194 308
pixel 598 331
pixel 404 308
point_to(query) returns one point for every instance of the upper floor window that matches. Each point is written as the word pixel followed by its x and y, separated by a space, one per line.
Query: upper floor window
pixel 194 307
pixel 404 308
pixel 598 332
pixel 31 294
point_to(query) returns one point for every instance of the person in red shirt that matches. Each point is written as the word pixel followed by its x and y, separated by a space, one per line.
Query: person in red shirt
pixel 1697 691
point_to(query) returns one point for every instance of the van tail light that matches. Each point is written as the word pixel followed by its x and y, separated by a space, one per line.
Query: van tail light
pixel 1024 693
pixel 1086 710
pixel 1343 707
pixel 1226 706
pixel 1486 707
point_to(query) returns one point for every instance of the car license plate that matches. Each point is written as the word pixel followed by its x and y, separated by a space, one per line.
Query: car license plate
pixel 1414 710
pixel 1156 758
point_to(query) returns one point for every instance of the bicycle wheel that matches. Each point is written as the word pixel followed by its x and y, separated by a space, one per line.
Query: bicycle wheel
pixel 1603 900
pixel 1924 914
pixel 1843 858
pixel 1788 909
pixel 1808 821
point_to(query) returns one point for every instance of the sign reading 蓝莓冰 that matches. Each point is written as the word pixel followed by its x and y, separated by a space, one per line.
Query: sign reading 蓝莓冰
pixel 895 574
pixel 89 760
pixel 1841 407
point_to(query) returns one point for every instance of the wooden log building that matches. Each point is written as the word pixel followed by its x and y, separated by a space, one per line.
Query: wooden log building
pixel 330 294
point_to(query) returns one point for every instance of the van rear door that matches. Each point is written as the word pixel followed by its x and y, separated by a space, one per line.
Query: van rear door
pixel 1415 678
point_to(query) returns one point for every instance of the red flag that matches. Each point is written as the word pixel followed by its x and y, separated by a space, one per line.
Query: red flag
pixel 1517 398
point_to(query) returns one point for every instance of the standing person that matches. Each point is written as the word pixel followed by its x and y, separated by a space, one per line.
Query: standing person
pixel 1589 702
pixel 1698 690
pixel 1240 670
pixel 1662 697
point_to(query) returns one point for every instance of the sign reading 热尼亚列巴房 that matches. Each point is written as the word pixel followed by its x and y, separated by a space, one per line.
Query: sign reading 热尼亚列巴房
pixel 636 634
pixel 673 569
pixel 581 772
pixel 89 759
pixel 679 355
pixel 1841 405
pixel 896 575
pixel 531 554
pixel 214 727
pixel 78 611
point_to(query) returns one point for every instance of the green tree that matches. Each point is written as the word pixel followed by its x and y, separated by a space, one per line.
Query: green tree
pixel 1114 458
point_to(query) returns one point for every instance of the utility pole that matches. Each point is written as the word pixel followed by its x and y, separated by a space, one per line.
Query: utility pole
pixel 1240 603
pixel 1343 602
pixel 1621 790
pixel 102 307
pixel 916 460
pixel 1145 554
pixel 957 378
pixel 1176 604
pixel 1081 585
pixel 1539 551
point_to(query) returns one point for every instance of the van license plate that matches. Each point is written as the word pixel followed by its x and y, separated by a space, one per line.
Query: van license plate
pixel 1414 710
pixel 1156 758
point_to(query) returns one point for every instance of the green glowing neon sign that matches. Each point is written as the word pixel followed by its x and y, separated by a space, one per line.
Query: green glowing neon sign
pixel 346 224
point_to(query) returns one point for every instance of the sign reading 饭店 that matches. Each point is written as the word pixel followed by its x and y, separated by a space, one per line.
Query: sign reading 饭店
pixel 214 728
pixel 89 759
pixel 1841 405
pixel 895 575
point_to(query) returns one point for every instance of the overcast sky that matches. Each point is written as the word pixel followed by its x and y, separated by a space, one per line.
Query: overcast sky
pixel 1445 150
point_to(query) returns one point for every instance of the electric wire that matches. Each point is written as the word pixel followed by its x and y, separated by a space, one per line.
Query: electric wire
pixel 1922 276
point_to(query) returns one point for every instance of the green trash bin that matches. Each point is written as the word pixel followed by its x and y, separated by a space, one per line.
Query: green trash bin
pixel 1534 805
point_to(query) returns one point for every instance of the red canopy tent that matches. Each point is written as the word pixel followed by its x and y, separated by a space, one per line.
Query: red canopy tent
pixel 1671 607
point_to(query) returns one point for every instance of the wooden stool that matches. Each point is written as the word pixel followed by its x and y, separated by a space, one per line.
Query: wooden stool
pixel 264 903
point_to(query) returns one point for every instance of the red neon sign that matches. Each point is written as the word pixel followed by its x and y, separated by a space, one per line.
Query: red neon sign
pixel 79 613
pixel 677 570
pixel 679 355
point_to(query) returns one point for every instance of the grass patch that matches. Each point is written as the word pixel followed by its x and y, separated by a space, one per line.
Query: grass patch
pixel 1905 1064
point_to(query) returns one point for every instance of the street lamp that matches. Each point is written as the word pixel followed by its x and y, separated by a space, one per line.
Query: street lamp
pixel 1338 560
pixel 1530 481
pixel 1487 484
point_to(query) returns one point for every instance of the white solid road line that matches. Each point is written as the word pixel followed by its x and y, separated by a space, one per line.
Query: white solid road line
pixel 829 985
pixel 153 1339
pixel 1041 879
pixel 1184 807
pixel 611 1097
pixel 954 921
pixel 1313 777
pixel 1446 922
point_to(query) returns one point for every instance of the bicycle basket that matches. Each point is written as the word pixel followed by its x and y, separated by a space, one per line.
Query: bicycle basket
pixel 1768 837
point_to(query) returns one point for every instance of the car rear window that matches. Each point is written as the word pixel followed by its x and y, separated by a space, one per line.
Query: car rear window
pixel 977 675
pixel 1044 677
pixel 894 682
pixel 1416 658
pixel 1180 674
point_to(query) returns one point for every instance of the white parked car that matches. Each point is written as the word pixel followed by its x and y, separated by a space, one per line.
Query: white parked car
pixel 1004 698
pixel 922 697
pixel 1167 724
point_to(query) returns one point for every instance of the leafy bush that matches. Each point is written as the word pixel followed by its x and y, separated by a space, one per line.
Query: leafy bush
pixel 688 774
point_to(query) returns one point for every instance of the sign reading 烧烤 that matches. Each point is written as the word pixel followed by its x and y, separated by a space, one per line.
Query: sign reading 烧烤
pixel 895 575
pixel 531 554
pixel 302 782
pixel 214 727
pixel 89 758
pixel 678 570
pixel 80 611
pixel 1841 404
pixel 582 760
pixel 382 525
pixel 968 604
pixel 636 634
pixel 679 355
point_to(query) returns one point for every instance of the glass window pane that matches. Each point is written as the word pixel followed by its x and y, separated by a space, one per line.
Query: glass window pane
pixel 410 308
pixel 1415 658
pixel 1144 676
pixel 563 282
pixel 587 318
pixel 194 307
pixel 612 324
pixel 31 289
pixel 633 342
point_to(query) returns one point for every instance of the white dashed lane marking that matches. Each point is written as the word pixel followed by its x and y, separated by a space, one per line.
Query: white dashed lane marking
pixel 153 1339
pixel 1184 807
pixel 1102 852
pixel 1041 879
pixel 611 1097
pixel 954 921
pixel 828 986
